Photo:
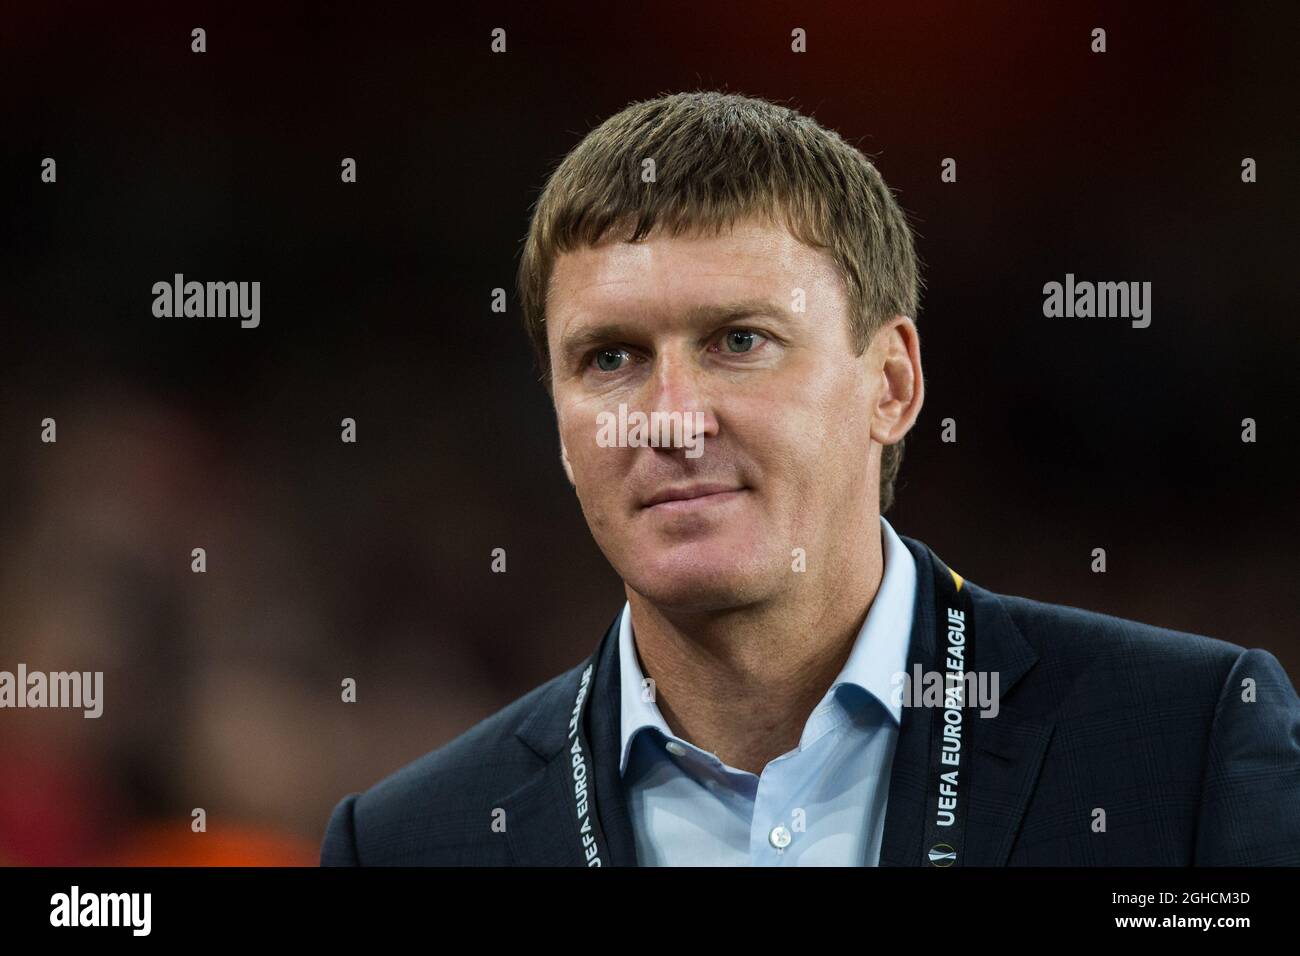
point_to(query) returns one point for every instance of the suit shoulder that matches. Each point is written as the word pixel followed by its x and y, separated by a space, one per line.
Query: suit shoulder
pixel 449 787
pixel 1056 627
pixel 491 739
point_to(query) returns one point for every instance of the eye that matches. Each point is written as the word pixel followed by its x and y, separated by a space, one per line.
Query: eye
pixel 610 360
pixel 740 340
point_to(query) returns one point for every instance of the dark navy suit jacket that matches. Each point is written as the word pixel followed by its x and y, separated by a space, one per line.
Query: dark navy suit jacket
pixel 1096 712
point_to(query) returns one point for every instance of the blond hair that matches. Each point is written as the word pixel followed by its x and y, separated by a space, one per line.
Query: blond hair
pixel 721 157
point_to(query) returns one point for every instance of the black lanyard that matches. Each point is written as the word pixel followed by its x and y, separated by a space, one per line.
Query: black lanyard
pixel 948 789
pixel 591 838
pixel 948 781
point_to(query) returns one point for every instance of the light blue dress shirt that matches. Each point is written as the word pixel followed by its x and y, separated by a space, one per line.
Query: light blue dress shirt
pixel 821 804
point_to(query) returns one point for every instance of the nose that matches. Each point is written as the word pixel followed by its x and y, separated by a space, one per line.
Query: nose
pixel 679 384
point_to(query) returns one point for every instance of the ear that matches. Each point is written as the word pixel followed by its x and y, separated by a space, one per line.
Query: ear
pixel 896 357
pixel 564 460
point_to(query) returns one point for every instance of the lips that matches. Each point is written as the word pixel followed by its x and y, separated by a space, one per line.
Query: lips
pixel 692 492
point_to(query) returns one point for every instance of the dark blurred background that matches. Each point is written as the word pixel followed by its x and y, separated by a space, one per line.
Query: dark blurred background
pixel 329 560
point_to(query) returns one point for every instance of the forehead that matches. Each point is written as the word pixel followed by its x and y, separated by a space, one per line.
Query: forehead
pixel 670 273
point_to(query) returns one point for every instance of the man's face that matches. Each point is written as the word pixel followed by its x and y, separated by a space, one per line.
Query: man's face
pixel 711 324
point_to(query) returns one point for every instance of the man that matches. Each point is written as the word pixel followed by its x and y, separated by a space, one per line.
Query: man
pixel 790 681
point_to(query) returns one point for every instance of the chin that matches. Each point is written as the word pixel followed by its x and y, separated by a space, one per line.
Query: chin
pixel 699 577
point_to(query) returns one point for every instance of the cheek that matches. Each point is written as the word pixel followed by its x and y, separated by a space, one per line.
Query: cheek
pixel 594 468
pixel 805 440
pixel 782 437
pixel 799 419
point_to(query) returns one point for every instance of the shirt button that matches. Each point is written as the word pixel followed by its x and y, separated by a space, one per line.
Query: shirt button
pixel 674 748
pixel 779 837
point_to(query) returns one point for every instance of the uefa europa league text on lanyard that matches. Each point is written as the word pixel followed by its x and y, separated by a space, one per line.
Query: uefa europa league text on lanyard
pixel 946 790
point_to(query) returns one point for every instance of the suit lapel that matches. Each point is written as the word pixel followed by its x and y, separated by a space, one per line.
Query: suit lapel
pixel 606 737
pixel 539 815
pixel 905 808
pixel 1006 751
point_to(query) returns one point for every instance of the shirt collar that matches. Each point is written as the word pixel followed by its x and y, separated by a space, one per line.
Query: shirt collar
pixel 879 651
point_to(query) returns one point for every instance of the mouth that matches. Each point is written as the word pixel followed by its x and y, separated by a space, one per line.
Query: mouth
pixel 692 497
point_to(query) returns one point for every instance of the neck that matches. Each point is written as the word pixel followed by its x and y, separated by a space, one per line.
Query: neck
pixel 742 682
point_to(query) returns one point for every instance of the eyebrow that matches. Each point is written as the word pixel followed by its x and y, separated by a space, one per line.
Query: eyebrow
pixel 578 341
